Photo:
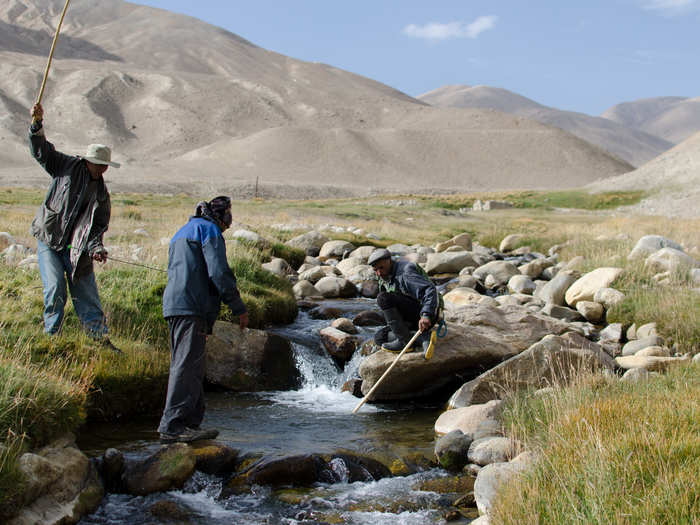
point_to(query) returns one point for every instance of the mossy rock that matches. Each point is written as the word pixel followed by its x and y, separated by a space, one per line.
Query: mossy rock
pixel 447 485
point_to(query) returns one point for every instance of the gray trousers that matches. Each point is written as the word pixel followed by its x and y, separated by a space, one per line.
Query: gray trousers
pixel 184 403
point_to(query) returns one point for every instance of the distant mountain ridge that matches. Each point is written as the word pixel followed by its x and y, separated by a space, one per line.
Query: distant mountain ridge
pixel 635 146
pixel 190 107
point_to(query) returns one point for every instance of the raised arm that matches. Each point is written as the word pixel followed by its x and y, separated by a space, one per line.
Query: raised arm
pixel 42 150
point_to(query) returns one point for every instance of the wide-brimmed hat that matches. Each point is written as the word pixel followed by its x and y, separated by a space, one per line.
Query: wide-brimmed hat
pixel 100 154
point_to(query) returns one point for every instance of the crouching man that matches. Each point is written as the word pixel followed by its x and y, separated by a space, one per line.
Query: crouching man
pixel 408 300
pixel 199 279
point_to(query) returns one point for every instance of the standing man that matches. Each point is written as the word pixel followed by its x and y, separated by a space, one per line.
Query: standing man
pixel 408 299
pixel 69 227
pixel 199 279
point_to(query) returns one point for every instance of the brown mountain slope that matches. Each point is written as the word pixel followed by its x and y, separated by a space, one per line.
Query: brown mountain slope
pixel 188 106
pixel 626 142
pixel 672 118
pixel 673 180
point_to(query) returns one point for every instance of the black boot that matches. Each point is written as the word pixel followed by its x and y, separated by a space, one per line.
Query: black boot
pixel 383 335
pixel 399 329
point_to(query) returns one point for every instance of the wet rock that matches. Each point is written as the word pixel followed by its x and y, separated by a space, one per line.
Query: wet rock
pixel 360 468
pixel 325 312
pixel 369 289
pixel 447 485
pixel 167 469
pixel 339 345
pixel 302 470
pixel 111 468
pixel 212 457
pixel 249 360
pixel 344 325
pixel 369 318
pixel 169 510
pixel 354 386
pixel 553 360
pixel 451 450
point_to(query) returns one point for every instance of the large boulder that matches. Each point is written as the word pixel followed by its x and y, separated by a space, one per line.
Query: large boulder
pixel 463 240
pixel 449 262
pixel 60 485
pixel 500 271
pixel 476 421
pixel 460 296
pixel 478 337
pixel 650 244
pixel 363 252
pixel 586 287
pixel 668 260
pixel 336 287
pixel 335 249
pixel 311 242
pixel 249 360
pixel 552 361
pixel 490 479
pixel 346 265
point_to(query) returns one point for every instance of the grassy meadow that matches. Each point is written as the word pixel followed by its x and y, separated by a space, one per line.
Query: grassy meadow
pixel 52 385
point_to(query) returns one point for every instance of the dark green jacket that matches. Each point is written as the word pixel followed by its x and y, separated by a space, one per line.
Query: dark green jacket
pixel 71 215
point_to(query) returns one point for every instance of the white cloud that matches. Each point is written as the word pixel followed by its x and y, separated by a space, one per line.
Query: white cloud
pixel 439 31
pixel 671 7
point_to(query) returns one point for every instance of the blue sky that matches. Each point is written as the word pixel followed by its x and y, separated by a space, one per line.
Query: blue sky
pixel 577 55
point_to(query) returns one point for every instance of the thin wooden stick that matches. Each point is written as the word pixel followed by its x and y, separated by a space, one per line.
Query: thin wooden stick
pixel 386 372
pixel 53 47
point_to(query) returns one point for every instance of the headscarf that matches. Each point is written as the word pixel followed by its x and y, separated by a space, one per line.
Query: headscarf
pixel 217 210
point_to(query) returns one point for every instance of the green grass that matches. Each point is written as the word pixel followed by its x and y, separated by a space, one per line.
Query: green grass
pixel 611 452
pixel 575 199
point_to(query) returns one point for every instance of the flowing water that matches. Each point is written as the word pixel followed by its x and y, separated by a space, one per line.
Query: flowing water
pixel 317 418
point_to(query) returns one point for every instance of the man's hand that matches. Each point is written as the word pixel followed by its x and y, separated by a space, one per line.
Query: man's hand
pixel 424 324
pixel 243 321
pixel 37 112
pixel 100 255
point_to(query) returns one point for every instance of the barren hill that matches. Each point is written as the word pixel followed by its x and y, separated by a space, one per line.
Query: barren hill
pixel 672 118
pixel 673 179
pixel 632 145
pixel 189 106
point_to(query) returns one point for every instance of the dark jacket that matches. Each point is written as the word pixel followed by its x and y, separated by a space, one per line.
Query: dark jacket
pixel 408 279
pixel 71 214
pixel 199 277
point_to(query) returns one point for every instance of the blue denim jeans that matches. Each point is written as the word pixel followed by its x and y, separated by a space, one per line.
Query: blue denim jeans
pixel 55 270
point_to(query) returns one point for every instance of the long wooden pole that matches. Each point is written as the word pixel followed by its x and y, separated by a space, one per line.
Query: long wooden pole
pixel 53 47
pixel 386 372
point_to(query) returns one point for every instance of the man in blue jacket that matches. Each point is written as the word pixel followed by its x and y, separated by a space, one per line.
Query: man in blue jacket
pixel 408 299
pixel 199 279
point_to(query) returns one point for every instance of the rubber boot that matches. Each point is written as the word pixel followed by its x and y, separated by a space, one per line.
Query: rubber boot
pixel 383 335
pixel 399 329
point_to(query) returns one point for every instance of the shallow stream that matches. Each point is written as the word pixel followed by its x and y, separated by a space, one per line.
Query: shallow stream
pixel 317 418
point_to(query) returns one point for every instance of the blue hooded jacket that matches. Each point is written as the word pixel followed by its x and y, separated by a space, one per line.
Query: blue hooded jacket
pixel 199 277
